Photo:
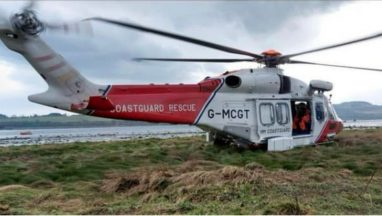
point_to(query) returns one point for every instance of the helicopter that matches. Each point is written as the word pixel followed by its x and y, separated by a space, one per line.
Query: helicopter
pixel 252 108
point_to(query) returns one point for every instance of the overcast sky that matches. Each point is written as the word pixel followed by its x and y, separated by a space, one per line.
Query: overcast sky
pixel 288 26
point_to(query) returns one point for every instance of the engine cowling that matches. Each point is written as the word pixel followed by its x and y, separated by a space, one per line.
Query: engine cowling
pixel 321 85
pixel 258 82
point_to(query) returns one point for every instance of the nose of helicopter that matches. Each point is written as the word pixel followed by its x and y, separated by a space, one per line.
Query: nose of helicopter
pixel 340 126
pixel 333 128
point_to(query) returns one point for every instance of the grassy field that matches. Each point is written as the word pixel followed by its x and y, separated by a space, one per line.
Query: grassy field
pixel 189 176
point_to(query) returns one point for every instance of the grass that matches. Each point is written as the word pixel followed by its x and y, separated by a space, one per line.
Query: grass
pixel 189 176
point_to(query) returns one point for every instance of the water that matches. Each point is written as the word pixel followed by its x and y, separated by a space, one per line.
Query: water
pixel 66 135
pixel 363 123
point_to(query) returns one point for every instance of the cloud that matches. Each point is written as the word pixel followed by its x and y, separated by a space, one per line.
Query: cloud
pixel 349 22
pixel 9 85
pixel 108 53
pixel 250 25
pixel 13 91
pixel 265 17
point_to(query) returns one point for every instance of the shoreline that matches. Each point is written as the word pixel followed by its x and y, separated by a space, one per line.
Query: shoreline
pixel 94 134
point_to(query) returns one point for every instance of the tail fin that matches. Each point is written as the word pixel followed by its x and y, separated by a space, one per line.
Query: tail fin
pixel 67 87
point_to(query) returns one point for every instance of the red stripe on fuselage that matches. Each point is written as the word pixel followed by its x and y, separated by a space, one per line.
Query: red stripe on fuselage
pixel 159 103
pixel 331 126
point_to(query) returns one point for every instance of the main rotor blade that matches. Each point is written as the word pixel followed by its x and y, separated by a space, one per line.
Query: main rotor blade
pixel 333 46
pixel 194 60
pixel 178 37
pixel 79 28
pixel 332 65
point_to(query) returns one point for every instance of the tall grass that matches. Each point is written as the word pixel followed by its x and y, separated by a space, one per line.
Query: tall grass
pixel 68 178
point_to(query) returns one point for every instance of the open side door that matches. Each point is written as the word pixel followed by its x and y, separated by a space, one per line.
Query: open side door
pixel 302 117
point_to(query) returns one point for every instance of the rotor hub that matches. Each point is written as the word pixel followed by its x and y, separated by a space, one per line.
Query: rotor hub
pixel 27 22
pixel 271 58
pixel 271 53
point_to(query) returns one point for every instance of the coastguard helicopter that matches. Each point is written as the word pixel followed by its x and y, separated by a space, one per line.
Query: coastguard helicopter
pixel 259 107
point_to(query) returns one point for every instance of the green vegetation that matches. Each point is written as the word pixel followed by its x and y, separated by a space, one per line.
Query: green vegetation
pixel 189 176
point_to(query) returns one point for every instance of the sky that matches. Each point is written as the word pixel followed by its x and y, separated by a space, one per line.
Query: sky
pixel 287 26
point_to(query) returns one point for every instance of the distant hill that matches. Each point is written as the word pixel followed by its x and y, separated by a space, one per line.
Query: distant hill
pixel 57 120
pixel 359 110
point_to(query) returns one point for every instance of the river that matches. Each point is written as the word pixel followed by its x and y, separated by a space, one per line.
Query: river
pixel 66 135
pixel 363 123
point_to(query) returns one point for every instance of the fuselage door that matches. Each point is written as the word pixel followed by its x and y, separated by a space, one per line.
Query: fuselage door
pixel 320 116
pixel 273 118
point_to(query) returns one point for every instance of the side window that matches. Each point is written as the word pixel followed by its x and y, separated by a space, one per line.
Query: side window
pixel 282 113
pixel 267 114
pixel 320 111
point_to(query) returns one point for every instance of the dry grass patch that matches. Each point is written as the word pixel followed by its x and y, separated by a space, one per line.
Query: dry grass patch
pixel 12 187
pixel 200 174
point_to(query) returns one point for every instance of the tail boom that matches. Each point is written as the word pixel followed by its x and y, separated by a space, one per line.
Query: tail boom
pixel 66 86
pixel 179 104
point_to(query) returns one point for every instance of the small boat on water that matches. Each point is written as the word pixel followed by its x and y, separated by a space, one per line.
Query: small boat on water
pixel 25 133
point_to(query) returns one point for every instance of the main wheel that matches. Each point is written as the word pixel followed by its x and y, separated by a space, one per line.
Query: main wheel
pixel 220 140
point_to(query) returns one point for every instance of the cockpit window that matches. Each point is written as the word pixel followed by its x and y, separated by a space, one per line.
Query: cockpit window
pixel 331 112
pixel 320 112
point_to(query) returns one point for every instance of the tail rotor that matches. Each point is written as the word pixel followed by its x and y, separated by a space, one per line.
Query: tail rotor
pixel 27 22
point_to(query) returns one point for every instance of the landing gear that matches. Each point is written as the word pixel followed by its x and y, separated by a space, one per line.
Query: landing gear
pixel 223 140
